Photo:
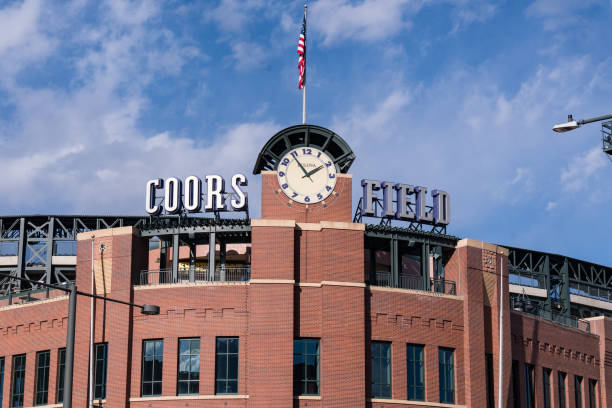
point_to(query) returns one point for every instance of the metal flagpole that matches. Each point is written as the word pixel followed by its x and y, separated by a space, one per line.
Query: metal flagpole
pixel 501 334
pixel 304 87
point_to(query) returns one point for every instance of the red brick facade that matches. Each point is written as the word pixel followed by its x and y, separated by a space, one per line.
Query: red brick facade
pixel 307 281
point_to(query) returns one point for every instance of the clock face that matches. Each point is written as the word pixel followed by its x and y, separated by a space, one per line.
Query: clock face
pixel 306 175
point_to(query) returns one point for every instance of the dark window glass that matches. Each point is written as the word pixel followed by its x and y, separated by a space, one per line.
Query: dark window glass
pixel 446 367
pixel 42 377
pixel 61 370
pixel 189 367
pixel 101 353
pixel 226 366
pixel 516 384
pixel 546 387
pixel 416 372
pixel 561 380
pixel 578 391
pixel 592 393
pixel 490 383
pixel 306 366
pixel 381 369
pixel 1 379
pixel 19 367
pixel 152 362
pixel 529 387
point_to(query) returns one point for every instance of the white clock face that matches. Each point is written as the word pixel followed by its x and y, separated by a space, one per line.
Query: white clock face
pixel 306 175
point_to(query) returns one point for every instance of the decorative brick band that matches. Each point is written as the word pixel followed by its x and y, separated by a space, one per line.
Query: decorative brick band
pixel 273 281
pixel 38 303
pixel 188 397
pixel 189 285
pixel 259 222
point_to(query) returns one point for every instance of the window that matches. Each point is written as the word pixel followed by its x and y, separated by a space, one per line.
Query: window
pixel 592 393
pixel 152 362
pixel 61 370
pixel 416 372
pixel 529 387
pixel 189 366
pixel 516 384
pixel 19 367
pixel 1 379
pixel 381 369
pixel 227 365
pixel 578 391
pixel 101 353
pixel 306 356
pixel 490 383
pixel 561 376
pixel 446 372
pixel 42 377
pixel 546 386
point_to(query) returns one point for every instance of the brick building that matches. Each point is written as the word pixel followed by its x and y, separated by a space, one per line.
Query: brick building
pixel 306 308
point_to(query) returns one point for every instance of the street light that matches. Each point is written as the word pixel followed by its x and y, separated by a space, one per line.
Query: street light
pixel 73 292
pixel 572 124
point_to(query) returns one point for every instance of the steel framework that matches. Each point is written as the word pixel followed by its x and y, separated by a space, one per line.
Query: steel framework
pixel 572 288
pixel 606 138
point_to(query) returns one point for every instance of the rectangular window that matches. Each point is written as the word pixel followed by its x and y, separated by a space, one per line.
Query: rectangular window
pixel 19 367
pixel 416 372
pixel 561 376
pixel 381 369
pixel 546 386
pixel 1 379
pixel 41 395
pixel 446 369
pixel 578 391
pixel 101 353
pixel 592 393
pixel 61 370
pixel 189 367
pixel 490 381
pixel 529 387
pixel 152 364
pixel 516 384
pixel 226 378
pixel 306 357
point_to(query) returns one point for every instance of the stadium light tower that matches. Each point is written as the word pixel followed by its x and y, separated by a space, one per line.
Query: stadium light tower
pixel 606 130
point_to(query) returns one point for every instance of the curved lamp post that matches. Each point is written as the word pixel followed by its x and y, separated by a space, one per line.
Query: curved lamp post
pixel 572 124
pixel 73 292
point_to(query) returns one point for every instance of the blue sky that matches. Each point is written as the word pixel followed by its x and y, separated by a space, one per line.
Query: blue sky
pixel 96 97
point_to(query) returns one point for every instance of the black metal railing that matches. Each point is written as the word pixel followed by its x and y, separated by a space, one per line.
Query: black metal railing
pixel 590 291
pixel 222 274
pixel 534 308
pixel 522 278
pixel 384 278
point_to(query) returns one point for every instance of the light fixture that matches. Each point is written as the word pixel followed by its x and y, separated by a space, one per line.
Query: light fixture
pixel 571 124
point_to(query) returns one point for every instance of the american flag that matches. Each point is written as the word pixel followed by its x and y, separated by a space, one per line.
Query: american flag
pixel 301 50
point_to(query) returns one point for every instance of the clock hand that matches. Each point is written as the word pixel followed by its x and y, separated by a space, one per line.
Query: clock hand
pixel 303 169
pixel 310 173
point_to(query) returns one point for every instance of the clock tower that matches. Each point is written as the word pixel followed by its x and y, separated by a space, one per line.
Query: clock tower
pixel 307 276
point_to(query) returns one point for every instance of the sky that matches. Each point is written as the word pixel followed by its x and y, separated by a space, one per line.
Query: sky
pixel 97 97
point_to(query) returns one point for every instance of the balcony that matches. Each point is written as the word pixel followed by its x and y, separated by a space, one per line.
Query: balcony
pixel 222 274
pixel 446 287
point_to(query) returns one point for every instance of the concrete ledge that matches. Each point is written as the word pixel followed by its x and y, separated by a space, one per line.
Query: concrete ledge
pixel 337 283
pixel 414 292
pixel 482 245
pixel 259 222
pixel 63 260
pixel 308 397
pixel 36 303
pixel 273 281
pixel 587 301
pixel 528 290
pixel 314 226
pixel 189 397
pixel 189 285
pixel 108 232
pixel 8 260
pixel 408 402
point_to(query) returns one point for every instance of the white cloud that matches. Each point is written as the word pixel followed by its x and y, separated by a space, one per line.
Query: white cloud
pixel 551 205
pixel 581 169
pixel 559 14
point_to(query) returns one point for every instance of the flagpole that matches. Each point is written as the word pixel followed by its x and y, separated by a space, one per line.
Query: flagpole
pixel 304 87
